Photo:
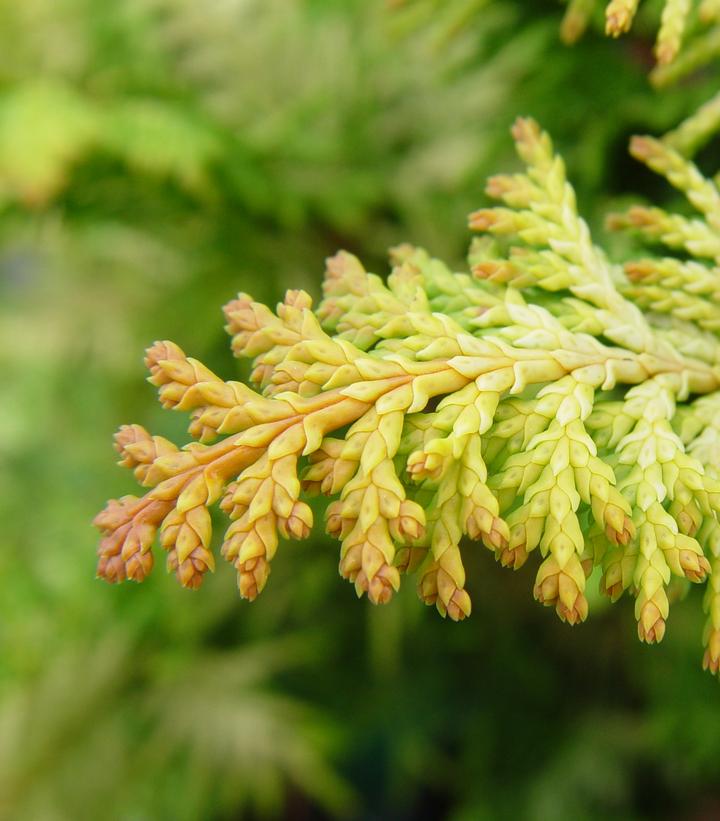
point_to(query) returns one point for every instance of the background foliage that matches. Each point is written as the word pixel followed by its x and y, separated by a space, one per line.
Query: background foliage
pixel 157 156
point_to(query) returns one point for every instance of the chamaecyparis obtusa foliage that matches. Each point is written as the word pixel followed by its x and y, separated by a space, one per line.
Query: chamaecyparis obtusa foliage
pixel 156 156
pixel 541 404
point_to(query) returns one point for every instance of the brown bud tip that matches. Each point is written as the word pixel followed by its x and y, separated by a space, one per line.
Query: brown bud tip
pixel 422 466
pixel 617 22
pixel 498 185
pixel 190 573
pixel 644 148
pixel 341 265
pixel 111 568
pixel 381 587
pixel 139 565
pixel 296 298
pixel 497 537
pixel 459 607
pixel 428 586
pixel 160 352
pixel 298 524
pixel 129 435
pixel 546 592
pixel 240 316
pixel 252 577
pixel 651 624
pixel 495 270
pixel 410 521
pixel 115 513
pixel 639 217
pixel 560 589
pixel 611 583
pixel 574 614
pixel 351 562
pixel 711 659
pixel 514 557
pixel 637 271
pixel 711 663
pixel 525 130
pixel 696 567
pixel 621 537
pixel 482 220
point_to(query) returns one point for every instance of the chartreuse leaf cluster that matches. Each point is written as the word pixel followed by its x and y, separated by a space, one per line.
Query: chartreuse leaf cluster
pixel 548 404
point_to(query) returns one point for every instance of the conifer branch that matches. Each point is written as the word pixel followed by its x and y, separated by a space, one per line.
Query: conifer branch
pixel 539 404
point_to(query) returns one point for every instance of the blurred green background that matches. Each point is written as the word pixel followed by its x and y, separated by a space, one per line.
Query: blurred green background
pixel 157 156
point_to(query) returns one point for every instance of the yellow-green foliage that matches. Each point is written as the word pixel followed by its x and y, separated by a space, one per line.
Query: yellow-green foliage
pixel 529 405
pixel 157 154
pixel 688 31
